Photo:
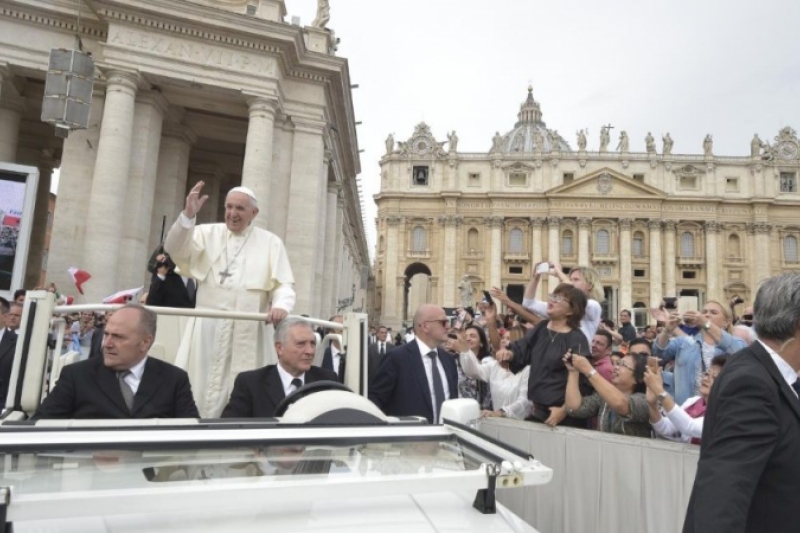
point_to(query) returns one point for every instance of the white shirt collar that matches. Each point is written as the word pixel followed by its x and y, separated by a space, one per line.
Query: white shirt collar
pixel 138 369
pixel 424 349
pixel 784 368
pixel 286 378
pixel 334 351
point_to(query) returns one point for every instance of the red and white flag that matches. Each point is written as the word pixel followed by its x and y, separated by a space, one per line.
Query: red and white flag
pixel 122 297
pixel 79 277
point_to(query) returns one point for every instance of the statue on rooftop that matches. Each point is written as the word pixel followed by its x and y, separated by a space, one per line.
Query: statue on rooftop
pixel 755 146
pixel 389 144
pixel 496 141
pixel 708 145
pixel 650 143
pixel 605 138
pixel 581 140
pixel 323 14
pixel 453 148
pixel 624 142
pixel 667 150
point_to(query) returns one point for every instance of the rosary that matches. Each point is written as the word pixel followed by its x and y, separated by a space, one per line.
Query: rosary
pixel 226 273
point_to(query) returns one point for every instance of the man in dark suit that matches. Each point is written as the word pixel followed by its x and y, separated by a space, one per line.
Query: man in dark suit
pixel 414 379
pixel 334 359
pixel 167 288
pixel 747 476
pixel 377 351
pixel 256 393
pixel 124 382
pixel 8 344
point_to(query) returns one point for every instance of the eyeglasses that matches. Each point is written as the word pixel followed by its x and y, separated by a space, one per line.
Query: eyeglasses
pixel 556 298
pixel 442 321
pixel 710 375
pixel 747 317
pixel 620 363
pixel 647 354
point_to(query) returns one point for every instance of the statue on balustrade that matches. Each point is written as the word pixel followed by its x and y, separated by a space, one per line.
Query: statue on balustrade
pixel 581 139
pixel 453 148
pixel 496 141
pixel 624 142
pixel 605 138
pixel 667 150
pixel 650 143
pixel 708 145
pixel 389 144
pixel 323 14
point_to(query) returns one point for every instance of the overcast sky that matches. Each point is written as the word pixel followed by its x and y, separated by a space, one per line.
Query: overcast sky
pixel 730 68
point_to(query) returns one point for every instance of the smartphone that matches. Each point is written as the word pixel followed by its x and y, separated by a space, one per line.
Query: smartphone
pixel 652 364
pixel 459 321
pixel 487 298
pixel 670 302
pixel 543 268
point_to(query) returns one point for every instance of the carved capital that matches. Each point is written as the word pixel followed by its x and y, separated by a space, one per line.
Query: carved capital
pixel 554 222
pixel 756 169
pixel 584 222
pixel 654 224
pixel 711 226
pixel 670 225
pixel 537 222
pixel 394 220
pixel 450 220
pixel 763 227
pixel 750 228
pixel 625 223
pixel 493 222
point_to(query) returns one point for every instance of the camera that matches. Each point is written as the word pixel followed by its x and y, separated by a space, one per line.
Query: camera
pixel 737 300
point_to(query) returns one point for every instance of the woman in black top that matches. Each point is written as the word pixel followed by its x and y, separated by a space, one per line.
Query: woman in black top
pixel 543 348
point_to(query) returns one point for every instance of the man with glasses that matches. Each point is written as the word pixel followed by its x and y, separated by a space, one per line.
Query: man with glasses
pixel 416 378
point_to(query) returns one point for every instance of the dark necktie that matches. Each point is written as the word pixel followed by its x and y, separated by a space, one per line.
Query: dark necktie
pixel 297 383
pixel 127 391
pixel 438 389
pixel 342 362
pixel 382 348
pixel 191 288
pixel 796 387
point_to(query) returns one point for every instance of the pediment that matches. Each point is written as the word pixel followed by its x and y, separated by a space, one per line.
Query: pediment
pixel 606 182
pixel 518 166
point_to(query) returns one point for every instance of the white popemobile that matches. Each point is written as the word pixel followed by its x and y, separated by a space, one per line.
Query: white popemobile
pixel 330 460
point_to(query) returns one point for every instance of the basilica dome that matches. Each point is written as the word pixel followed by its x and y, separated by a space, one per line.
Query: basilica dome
pixel 530 133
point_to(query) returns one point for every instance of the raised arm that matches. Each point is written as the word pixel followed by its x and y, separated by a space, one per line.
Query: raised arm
pixel 518 309
pixel 608 392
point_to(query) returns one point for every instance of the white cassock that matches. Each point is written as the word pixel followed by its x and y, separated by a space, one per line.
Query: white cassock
pixel 214 351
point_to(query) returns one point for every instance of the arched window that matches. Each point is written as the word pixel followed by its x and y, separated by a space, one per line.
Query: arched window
pixel 381 244
pixel 515 241
pixel 638 244
pixel 790 249
pixel 734 246
pixel 566 243
pixel 472 240
pixel 418 241
pixel 602 244
pixel 687 244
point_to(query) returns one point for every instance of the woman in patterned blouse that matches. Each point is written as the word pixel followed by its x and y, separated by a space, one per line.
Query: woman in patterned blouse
pixel 621 406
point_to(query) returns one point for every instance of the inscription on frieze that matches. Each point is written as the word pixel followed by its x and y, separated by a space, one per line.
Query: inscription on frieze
pixel 690 208
pixel 607 206
pixel 191 51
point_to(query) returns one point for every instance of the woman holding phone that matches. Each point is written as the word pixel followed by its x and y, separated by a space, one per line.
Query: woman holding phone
pixel 584 278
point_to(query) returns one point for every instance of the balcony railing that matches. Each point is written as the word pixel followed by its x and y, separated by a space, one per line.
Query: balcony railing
pixel 517 257
pixel 418 254
pixel 472 255
pixel 598 258
pixel 690 261
pixel 734 260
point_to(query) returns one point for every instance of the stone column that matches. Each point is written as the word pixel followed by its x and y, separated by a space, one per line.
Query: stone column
pixel 338 252
pixel 536 248
pixel 74 190
pixel 4 75
pixel 762 253
pixel 625 273
pixel 305 197
pixel 257 167
pixel 319 304
pixel 33 270
pixel 390 293
pixel 751 255
pixel 495 225
pixel 282 141
pixel 171 174
pixel 655 263
pixel 554 239
pixel 106 205
pixel 670 288
pixel 712 261
pixel 12 108
pixel 328 306
pixel 584 224
pixel 148 118
pixel 448 253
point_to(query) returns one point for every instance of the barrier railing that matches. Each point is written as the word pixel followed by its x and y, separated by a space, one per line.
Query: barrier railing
pixel 601 482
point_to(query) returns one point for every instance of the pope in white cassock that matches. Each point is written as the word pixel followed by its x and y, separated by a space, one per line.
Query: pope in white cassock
pixel 238 267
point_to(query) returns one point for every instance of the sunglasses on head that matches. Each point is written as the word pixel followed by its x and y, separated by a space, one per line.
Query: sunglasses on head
pixel 747 317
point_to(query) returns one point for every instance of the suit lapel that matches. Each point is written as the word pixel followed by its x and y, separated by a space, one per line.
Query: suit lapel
pixel 150 383
pixel 273 386
pixel 763 356
pixel 8 344
pixel 418 369
pixel 450 370
pixel 107 382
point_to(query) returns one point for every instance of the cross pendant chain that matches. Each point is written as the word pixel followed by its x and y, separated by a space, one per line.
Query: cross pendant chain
pixel 226 273
pixel 223 275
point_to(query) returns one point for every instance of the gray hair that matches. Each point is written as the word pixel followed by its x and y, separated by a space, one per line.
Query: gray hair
pixel 282 330
pixel 777 307
pixel 147 318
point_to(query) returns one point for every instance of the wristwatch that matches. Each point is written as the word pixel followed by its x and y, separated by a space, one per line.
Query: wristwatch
pixel 660 398
pixel 591 374
pixel 707 325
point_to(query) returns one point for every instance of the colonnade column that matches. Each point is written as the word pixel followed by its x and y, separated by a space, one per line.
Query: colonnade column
pixel 390 293
pixel 257 166
pixel 338 252
pixel 33 270
pixel 625 273
pixel 305 197
pixel 78 156
pixel 11 109
pixel 536 248
pixel 320 305
pixel 496 250
pixel 148 119
pixel 656 281
pixel 762 252
pixel 109 185
pixel 670 288
pixel 553 250
pixel 449 251
pixel 712 261
pixel 4 75
pixel 584 224
pixel 752 256
pixel 171 174
pixel 328 306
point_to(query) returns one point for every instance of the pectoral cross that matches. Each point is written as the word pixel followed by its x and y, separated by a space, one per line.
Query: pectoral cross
pixel 224 274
